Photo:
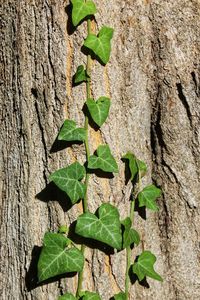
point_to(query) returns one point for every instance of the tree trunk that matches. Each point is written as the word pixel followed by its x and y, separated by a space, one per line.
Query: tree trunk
pixel 153 80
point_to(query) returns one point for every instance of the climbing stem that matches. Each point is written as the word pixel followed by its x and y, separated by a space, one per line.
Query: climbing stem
pixel 128 253
pixel 87 150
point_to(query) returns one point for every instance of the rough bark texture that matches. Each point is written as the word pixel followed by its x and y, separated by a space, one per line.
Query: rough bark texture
pixel 153 78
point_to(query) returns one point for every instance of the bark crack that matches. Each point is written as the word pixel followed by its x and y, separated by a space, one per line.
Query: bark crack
pixel 184 101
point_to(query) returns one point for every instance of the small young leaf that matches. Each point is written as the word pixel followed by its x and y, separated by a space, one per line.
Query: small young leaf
pixel 63 229
pixel 100 44
pixel 103 160
pixel 81 75
pixel 68 180
pixel 69 132
pixel 67 296
pixel 56 259
pixel 90 296
pixel 148 196
pixel 106 228
pixel 144 266
pixel 120 296
pixel 99 109
pixel 135 165
pixel 130 235
pixel 82 9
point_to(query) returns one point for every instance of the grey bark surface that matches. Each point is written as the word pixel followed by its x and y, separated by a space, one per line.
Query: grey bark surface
pixel 153 79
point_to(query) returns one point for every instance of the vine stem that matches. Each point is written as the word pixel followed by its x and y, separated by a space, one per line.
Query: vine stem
pixel 87 149
pixel 128 249
pixel 128 254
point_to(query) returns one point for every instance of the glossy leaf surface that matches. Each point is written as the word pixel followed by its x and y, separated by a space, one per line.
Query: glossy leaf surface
pixel 67 296
pixel 82 9
pixel 145 266
pixel 90 296
pixel 103 160
pixel 99 109
pixel 81 75
pixel 68 180
pixel 130 235
pixel 105 228
pixel 148 196
pixel 57 258
pixel 100 44
pixel 120 296
pixel 69 132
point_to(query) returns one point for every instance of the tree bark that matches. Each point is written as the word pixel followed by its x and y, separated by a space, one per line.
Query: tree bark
pixel 153 79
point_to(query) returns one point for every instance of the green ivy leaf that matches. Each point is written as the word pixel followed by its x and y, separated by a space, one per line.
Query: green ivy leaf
pixel 99 109
pixel 100 44
pixel 130 235
pixel 103 160
pixel 67 296
pixel 82 9
pixel 56 258
pixel 120 296
pixel 90 296
pixel 81 75
pixel 105 228
pixel 148 196
pixel 144 266
pixel 69 132
pixel 68 180
pixel 135 165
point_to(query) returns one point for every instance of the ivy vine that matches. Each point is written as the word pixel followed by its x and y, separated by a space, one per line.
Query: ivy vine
pixel 59 253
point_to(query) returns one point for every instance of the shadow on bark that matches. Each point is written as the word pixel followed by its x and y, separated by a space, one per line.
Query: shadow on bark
pixel 133 278
pixel 61 145
pixel 52 193
pixel 70 27
pixel 31 279
pixel 91 122
pixel 140 210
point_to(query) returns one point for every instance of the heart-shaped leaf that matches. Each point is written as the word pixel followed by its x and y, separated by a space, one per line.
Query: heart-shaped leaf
pixel 100 44
pixel 82 9
pixel 69 132
pixel 144 266
pixel 99 109
pixel 67 296
pixel 81 75
pixel 106 228
pixel 130 235
pixel 68 180
pixel 135 165
pixel 120 296
pixel 89 296
pixel 148 196
pixel 57 258
pixel 103 160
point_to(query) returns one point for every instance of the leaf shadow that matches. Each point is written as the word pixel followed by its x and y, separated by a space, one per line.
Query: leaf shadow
pixel 101 174
pixel 86 51
pixel 90 120
pixel 127 171
pixel 70 27
pixel 52 193
pixel 133 277
pixel 31 279
pixel 140 210
pixel 61 145
pixel 91 243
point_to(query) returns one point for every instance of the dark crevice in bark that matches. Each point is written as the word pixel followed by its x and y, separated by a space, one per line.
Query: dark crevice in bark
pixel 196 83
pixel 42 133
pixel 184 101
